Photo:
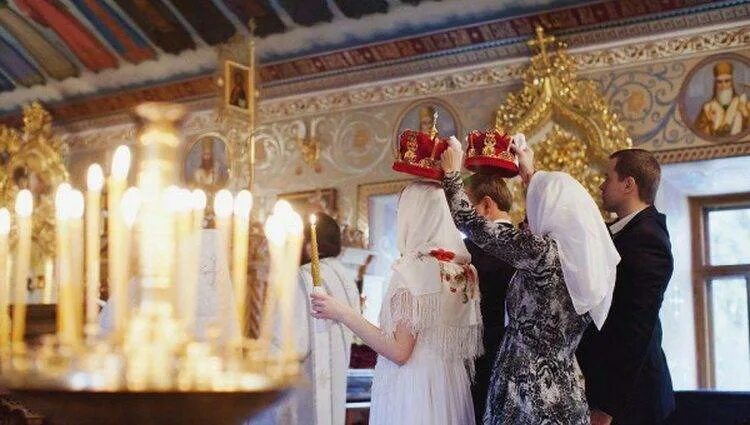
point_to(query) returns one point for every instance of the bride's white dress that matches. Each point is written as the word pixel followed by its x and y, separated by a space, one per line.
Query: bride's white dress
pixel 438 300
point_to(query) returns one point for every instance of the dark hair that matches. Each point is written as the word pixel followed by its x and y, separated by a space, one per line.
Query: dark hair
pixel 328 235
pixel 485 183
pixel 641 165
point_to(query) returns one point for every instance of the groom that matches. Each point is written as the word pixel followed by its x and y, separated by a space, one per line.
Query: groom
pixel 492 200
pixel 627 378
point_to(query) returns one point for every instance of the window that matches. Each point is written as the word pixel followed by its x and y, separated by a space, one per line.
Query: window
pixel 721 279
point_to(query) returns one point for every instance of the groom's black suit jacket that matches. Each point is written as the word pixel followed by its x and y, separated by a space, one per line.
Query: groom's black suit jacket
pixel 494 276
pixel 624 366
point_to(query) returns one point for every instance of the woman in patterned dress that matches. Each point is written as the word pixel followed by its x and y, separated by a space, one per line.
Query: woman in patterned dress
pixel 566 266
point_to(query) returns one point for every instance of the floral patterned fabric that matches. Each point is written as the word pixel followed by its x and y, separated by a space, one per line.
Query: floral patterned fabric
pixel 535 379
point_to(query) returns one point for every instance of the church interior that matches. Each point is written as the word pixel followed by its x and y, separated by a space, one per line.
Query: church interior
pixel 208 113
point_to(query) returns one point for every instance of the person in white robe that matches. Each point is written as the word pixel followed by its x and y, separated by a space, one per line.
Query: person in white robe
pixel 323 346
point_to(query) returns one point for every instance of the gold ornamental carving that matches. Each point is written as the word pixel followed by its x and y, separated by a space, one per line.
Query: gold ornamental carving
pixel 32 159
pixel 566 119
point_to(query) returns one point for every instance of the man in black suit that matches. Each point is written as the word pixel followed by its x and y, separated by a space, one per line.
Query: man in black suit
pixel 492 200
pixel 627 378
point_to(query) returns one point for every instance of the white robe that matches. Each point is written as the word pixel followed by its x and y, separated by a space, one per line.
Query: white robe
pixel 325 352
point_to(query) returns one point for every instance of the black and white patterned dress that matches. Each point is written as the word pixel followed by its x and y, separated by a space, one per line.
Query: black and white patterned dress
pixel 535 379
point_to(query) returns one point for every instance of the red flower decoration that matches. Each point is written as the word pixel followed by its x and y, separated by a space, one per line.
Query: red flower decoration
pixel 442 255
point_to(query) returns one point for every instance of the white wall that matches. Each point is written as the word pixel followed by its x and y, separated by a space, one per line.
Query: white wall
pixel 679 182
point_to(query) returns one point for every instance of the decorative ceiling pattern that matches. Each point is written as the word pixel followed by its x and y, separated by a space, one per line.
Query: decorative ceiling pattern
pixel 67 50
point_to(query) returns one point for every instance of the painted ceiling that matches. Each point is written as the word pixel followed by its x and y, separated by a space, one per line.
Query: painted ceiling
pixel 63 50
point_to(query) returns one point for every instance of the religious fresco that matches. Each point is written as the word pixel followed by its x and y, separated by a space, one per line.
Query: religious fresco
pixel 419 117
pixel 207 164
pixel 713 100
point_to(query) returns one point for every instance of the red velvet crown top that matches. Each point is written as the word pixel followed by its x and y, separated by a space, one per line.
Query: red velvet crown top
pixel 419 154
pixel 490 149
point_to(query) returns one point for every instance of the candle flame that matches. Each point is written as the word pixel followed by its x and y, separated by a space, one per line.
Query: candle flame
pixel 95 177
pixel 62 201
pixel 4 221
pixel 243 203
pixel 198 199
pixel 171 197
pixel 121 162
pixel 282 207
pixel 75 204
pixel 24 203
pixel 313 219
pixel 131 202
pixel 184 201
pixel 274 230
pixel 223 203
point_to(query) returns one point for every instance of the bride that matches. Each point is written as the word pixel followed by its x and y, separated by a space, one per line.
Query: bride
pixel 430 320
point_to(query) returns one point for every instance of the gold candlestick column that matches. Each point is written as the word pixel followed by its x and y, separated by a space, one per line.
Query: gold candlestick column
pixel 4 283
pixel 314 256
pixel 116 260
pixel 95 180
pixel 155 229
pixel 242 205
pixel 24 209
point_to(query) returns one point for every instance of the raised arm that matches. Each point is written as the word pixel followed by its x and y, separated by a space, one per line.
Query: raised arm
pixel 520 249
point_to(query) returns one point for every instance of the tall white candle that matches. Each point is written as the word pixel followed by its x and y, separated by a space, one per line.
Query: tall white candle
pixel 94 181
pixel 223 211
pixel 243 203
pixel 131 202
pixel 76 261
pixel 4 283
pixel 198 204
pixel 63 252
pixel 24 208
pixel 116 236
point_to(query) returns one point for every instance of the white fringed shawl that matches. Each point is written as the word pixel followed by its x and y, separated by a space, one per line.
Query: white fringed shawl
pixel 436 296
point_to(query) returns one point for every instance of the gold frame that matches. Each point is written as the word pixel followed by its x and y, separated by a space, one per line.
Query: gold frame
pixel 40 152
pixel 294 197
pixel 229 65
pixel 365 191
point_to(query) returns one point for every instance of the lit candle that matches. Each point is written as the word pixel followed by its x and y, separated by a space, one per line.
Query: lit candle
pixel 4 284
pixel 198 204
pixel 64 291
pixel 131 202
pixel 182 209
pixel 95 181
pixel 284 233
pixel 24 208
pixel 115 249
pixel 49 279
pixel 77 254
pixel 223 211
pixel 314 257
pixel 242 206
pixel 276 237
